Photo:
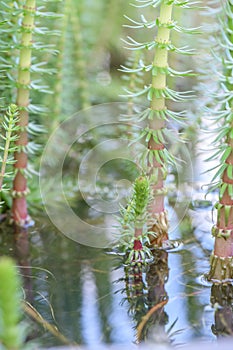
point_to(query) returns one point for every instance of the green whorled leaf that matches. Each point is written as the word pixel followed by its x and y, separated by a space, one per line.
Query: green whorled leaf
pixel 149 133
pixel 14 10
pixel 142 134
pixel 227 209
pixel 178 95
pixel 143 157
pixel 138 25
pixel 35 129
pixel 179 3
pixel 30 171
pixel 31 148
pixel 175 73
pixel 160 114
pixel 215 155
pixel 217 115
pixel 185 50
pixel 160 135
pixel 136 70
pixel 12 149
pixel 220 171
pixel 51 15
pixel 218 206
pixel 230 190
pixel 179 117
pixel 134 45
pixel 170 159
pixel 191 31
pixel 221 130
pixel 37 46
pixel 46 31
pixel 159 70
pixel 151 155
pixel 138 93
pixel 144 115
pixel 222 189
pixel 218 213
pixel 150 94
pixel 34 85
pixel 145 3
pixel 230 171
pixel 226 154
pixel 169 25
pixel 40 46
pixel 157 155
pixel 36 109
pixel 221 134
pixel 213 187
pixel 39 68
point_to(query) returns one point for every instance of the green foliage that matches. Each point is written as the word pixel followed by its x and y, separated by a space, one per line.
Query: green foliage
pixel 159 70
pixel 11 332
pixel 136 212
pixel 7 146
pixel 25 48
pixel 160 97
pixel 135 216
pixel 220 109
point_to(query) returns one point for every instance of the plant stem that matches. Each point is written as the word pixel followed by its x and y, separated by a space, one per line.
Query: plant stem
pixel 157 104
pixel 20 190
pixel 222 257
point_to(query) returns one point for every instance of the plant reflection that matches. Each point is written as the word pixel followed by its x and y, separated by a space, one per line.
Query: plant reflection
pixel 22 256
pixel 146 297
pixel 222 301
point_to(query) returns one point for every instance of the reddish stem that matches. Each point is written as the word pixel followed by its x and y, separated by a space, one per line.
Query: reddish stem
pixel 224 246
pixel 137 245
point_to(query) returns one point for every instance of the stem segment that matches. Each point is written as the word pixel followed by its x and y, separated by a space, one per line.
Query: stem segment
pixel 20 190
pixel 158 168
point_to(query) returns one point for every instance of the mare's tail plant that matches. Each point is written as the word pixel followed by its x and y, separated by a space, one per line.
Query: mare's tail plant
pixel 20 188
pixel 12 333
pixel 134 223
pixel 8 147
pixel 222 115
pixel 19 40
pixel 158 93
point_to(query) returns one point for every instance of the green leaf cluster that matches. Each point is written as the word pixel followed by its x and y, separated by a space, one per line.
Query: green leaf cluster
pixel 8 136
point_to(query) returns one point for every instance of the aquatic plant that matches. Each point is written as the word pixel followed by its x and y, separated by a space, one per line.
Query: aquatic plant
pixel 20 44
pixel 133 220
pixel 158 93
pixel 12 333
pixel 8 147
pixel 20 188
pixel 222 257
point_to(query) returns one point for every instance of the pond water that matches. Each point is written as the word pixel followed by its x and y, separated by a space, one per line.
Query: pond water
pixel 92 299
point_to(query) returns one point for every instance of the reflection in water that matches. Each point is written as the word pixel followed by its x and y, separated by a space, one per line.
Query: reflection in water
pixel 222 300
pixel 146 296
pixel 68 282
pixel 157 276
pixel 22 254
